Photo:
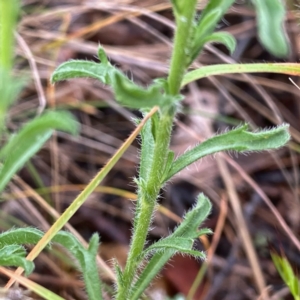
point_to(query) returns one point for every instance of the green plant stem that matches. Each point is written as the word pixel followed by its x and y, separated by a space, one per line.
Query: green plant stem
pixel 148 191
pixel 147 200
pixel 184 14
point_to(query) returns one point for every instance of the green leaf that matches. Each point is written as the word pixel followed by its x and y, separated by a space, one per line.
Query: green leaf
pixel 271 31
pixel 174 243
pixel 22 146
pixel 20 236
pixel 86 261
pixel 203 231
pixel 14 256
pixel 103 57
pixel 205 28
pixel 131 95
pixel 224 38
pixel 177 244
pixel 194 218
pixel 153 267
pixel 118 272
pixel 186 230
pixel 239 140
pixel 126 91
pixel 82 69
pixel 214 4
pixel 209 18
pixel 287 274
pixel 169 163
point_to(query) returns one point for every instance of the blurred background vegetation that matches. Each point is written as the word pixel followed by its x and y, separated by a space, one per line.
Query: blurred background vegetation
pixel 137 36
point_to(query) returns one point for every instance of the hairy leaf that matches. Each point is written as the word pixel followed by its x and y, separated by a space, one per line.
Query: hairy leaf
pixel 14 256
pixel 82 69
pixel 239 140
pixel 186 230
pixel 86 259
pixel 20 236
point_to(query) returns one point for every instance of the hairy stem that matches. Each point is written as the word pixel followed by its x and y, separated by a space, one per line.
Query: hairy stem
pixel 148 191
pixel 182 42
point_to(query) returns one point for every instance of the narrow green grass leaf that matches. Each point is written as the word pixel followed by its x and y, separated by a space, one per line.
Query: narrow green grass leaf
pixel 292 69
pixel 287 274
pixel 270 19
pixel 23 145
pixel 238 139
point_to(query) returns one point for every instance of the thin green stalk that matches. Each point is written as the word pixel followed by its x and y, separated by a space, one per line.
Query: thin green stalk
pixel 147 200
pixel 149 190
pixel 184 13
pixel 292 69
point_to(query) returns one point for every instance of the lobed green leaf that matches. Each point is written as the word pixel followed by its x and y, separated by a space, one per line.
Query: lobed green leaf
pixel 239 140
pixel 271 31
